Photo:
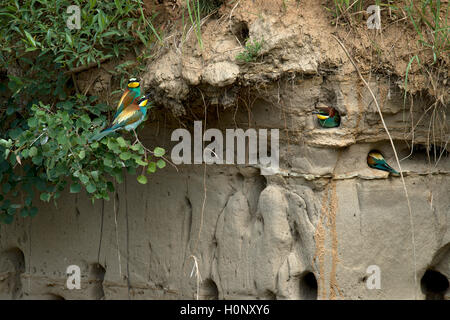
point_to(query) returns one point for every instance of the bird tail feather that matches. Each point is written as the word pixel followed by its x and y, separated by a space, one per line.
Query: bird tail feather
pixel 389 168
pixel 101 135
pixel 119 110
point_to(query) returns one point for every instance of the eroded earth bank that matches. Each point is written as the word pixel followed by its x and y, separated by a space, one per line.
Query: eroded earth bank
pixel 309 231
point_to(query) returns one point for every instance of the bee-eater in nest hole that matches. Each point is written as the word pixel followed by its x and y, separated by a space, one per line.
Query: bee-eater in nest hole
pixel 376 160
pixel 328 117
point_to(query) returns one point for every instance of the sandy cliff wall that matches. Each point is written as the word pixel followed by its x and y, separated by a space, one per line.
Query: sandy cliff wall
pixel 308 232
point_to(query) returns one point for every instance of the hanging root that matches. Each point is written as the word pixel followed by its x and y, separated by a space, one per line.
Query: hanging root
pixel 197 275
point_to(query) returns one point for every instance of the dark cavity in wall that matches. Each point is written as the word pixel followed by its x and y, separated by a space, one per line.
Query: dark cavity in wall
pixel 210 6
pixel 241 31
pixel 308 286
pixel 97 275
pixel 434 285
pixel 208 290
pixel 12 263
pixel 434 152
pixel 328 97
pixel 270 295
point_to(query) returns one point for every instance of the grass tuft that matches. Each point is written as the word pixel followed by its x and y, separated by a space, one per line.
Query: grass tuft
pixel 251 51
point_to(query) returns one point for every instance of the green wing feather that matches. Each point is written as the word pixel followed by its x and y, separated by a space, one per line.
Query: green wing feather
pixel 331 122
pixel 380 164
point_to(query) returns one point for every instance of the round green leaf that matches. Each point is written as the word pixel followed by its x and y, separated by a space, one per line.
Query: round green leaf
pixel 95 175
pixel 151 167
pixel 159 152
pixel 84 178
pixel 75 187
pixel 121 142
pixel 32 122
pixel 45 196
pixel 91 188
pixel 33 211
pixel 161 163
pixel 24 212
pixel 125 156
pixel 131 170
pixel 140 162
pixel 136 147
pixel 6 143
pixel 37 160
pixel 142 179
pixel 28 200
pixel 8 219
pixel 33 151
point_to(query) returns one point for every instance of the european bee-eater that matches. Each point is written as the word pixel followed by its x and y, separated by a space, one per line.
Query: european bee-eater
pixel 132 93
pixel 376 160
pixel 328 117
pixel 129 119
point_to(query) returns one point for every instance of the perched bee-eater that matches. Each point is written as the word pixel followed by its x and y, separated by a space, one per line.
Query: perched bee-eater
pixel 129 119
pixel 376 160
pixel 131 94
pixel 328 117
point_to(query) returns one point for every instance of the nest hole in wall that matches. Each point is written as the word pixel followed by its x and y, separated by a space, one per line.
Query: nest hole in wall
pixel 308 286
pixel 434 285
pixel 241 31
pixel 209 290
pixel 15 259
pixel 97 275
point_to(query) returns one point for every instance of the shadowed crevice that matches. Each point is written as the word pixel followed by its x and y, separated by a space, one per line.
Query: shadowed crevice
pixel 209 290
pixel 434 285
pixel 12 265
pixel 97 276
pixel 308 286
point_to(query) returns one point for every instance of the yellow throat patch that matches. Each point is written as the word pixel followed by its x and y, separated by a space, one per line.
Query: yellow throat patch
pixel 322 117
pixel 133 84
pixel 143 103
